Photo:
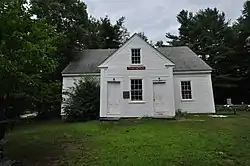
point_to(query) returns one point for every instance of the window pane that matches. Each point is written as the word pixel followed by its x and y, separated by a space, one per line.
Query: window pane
pixel 136 56
pixel 186 90
pixel 136 89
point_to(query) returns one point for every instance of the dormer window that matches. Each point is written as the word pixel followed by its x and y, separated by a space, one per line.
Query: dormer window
pixel 136 56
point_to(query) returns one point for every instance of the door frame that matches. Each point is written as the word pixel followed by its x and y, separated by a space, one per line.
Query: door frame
pixel 157 82
pixel 114 79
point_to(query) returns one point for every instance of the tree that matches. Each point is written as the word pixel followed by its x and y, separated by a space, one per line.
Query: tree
pixel 160 44
pixel 81 32
pixel 109 35
pixel 27 50
pixel 143 36
pixel 242 55
pixel 185 19
pixel 71 19
pixel 209 35
pixel 204 32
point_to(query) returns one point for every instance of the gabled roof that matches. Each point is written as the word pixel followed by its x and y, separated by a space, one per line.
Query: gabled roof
pixel 87 61
pixel 133 36
pixel 184 58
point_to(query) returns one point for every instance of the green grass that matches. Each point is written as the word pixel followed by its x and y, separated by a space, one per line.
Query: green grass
pixel 152 142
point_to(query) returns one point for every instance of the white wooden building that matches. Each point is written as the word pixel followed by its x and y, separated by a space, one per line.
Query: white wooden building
pixel 138 80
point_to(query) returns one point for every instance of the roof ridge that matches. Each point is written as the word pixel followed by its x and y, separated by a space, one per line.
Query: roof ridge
pixel 173 46
pixel 101 49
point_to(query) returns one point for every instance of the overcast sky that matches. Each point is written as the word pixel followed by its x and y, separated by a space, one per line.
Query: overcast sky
pixel 156 17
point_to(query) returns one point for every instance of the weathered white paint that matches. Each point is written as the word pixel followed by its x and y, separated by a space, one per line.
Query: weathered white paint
pixel 123 55
pixel 157 67
pixel 159 91
pixel 202 93
pixel 114 89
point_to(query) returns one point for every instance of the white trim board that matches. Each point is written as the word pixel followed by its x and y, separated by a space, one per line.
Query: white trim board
pixel 191 72
pixel 174 73
pixel 83 74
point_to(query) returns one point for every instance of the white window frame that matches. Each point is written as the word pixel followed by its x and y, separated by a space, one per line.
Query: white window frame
pixel 131 54
pixel 143 91
pixel 192 97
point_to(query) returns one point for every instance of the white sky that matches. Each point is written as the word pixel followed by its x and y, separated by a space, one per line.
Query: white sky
pixel 156 17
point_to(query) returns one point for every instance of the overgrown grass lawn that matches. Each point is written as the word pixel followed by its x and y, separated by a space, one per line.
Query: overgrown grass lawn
pixel 214 141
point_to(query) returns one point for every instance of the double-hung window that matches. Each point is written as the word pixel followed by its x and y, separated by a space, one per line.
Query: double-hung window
pixel 136 90
pixel 136 56
pixel 186 90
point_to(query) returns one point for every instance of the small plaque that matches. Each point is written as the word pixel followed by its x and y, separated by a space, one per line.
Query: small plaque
pixel 136 68
pixel 126 94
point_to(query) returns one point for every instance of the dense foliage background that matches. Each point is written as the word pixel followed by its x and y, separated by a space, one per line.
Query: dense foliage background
pixel 37 40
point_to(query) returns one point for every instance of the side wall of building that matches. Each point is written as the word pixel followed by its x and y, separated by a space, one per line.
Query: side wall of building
pixel 202 93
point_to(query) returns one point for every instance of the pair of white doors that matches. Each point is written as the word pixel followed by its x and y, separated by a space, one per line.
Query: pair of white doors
pixel 114 97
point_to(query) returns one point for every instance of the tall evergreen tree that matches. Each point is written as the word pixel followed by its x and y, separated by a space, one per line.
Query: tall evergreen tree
pixel 209 35
pixel 241 45
pixel 143 36
pixel 160 43
pixel 111 36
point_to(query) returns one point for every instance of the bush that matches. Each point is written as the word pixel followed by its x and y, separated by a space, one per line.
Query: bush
pixel 83 100
pixel 180 113
pixel 48 104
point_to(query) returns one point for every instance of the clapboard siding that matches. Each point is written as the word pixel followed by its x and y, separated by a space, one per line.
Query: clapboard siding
pixel 202 92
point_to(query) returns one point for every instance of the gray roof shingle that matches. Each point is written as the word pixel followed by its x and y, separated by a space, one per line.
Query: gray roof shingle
pixel 184 59
pixel 87 61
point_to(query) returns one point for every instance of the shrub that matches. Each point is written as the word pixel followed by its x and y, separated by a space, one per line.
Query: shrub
pixel 83 100
pixel 48 104
pixel 180 113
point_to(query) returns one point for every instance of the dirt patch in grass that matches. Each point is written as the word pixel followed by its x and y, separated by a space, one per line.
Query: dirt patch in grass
pixel 33 154
pixel 48 145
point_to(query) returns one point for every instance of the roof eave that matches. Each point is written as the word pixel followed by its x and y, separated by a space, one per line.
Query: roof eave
pixel 192 72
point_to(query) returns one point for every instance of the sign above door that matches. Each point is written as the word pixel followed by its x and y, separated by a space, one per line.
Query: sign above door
pixel 136 68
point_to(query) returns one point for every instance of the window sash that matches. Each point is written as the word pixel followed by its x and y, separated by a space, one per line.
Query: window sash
pixel 136 56
pixel 186 90
pixel 136 90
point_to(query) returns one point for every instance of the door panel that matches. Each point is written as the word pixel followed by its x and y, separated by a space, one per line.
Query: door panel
pixel 159 96
pixel 114 97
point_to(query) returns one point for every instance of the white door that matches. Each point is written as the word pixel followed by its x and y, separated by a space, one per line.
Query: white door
pixel 159 97
pixel 114 97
